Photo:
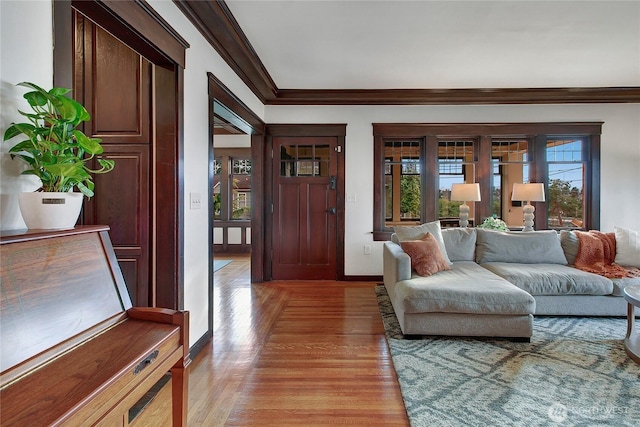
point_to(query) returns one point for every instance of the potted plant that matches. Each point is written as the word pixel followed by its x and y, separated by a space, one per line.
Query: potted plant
pixel 59 154
pixel 494 223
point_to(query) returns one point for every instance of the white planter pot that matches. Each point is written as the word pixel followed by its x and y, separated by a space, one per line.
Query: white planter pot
pixel 52 211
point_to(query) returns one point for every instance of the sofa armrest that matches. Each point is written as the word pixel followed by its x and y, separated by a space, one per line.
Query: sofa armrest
pixel 396 264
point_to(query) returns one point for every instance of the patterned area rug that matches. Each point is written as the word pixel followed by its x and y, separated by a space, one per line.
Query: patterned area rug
pixel 574 372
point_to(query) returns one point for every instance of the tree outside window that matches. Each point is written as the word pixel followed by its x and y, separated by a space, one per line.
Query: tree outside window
pixel 403 192
pixel 566 170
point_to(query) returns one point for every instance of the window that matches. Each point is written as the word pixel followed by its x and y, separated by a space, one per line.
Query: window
pixel 232 184
pixel 455 166
pixel 565 171
pixel 217 185
pixel 510 165
pixel 416 165
pixel 241 189
pixel 402 181
pixel 304 160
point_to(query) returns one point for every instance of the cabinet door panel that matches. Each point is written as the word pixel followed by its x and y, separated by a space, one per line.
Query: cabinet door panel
pixel 114 83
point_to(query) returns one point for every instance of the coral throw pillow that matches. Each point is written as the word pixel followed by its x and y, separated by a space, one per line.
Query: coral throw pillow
pixel 426 256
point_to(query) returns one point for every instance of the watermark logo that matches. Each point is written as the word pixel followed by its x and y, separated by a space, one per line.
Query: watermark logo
pixel 557 412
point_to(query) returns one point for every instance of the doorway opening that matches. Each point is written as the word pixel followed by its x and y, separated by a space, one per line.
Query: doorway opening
pixel 236 185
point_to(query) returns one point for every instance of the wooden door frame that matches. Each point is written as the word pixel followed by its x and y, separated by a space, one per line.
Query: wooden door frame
pixel 241 117
pixel 338 131
pixel 137 25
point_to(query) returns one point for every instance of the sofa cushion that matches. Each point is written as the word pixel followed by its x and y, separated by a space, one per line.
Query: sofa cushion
pixel 570 245
pixel 627 247
pixel 460 243
pixel 551 279
pixel 408 232
pixel 426 256
pixel 620 284
pixel 466 288
pixel 534 247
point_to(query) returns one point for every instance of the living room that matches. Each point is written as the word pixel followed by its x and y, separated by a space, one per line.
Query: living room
pixel 615 65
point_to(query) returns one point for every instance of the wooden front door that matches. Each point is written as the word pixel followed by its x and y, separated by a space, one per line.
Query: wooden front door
pixel 114 83
pixel 305 175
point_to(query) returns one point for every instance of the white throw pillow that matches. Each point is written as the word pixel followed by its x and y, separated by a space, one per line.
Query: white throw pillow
pixel 627 247
pixel 407 232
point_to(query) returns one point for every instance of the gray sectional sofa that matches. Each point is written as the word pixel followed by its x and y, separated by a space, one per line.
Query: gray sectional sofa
pixel 496 283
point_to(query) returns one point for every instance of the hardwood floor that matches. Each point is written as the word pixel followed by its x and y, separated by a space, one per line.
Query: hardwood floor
pixel 293 353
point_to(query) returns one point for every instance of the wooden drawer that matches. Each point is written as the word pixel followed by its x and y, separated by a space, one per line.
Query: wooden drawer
pixel 94 378
pixel 157 411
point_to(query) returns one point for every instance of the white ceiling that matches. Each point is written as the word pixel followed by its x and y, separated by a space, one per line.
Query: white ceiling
pixel 394 44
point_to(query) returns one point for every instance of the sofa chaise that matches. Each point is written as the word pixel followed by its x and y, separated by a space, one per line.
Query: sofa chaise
pixel 494 282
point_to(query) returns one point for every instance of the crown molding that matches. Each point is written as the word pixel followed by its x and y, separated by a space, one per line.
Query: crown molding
pixel 458 96
pixel 216 23
pixel 218 26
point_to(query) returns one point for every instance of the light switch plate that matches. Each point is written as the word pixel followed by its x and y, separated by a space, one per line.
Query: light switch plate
pixel 195 201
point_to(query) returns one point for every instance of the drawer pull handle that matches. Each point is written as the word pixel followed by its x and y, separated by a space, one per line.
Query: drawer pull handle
pixel 146 362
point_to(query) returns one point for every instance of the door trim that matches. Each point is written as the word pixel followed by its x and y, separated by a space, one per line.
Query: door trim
pixel 301 130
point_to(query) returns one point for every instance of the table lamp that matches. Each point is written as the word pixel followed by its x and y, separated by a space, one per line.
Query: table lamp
pixel 465 193
pixel 532 192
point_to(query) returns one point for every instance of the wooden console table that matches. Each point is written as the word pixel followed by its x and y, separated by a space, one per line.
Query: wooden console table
pixel 632 340
pixel 73 350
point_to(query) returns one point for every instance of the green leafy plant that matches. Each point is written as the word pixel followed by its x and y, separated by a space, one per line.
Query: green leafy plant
pixel 55 151
pixel 494 223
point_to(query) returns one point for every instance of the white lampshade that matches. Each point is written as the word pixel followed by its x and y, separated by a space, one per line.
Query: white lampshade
pixel 465 192
pixel 532 192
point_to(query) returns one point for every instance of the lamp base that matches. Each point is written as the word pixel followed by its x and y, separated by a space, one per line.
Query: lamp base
pixel 528 210
pixel 464 215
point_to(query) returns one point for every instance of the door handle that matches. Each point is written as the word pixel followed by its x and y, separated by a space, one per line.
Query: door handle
pixel 332 211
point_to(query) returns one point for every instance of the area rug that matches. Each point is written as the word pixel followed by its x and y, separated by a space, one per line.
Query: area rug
pixel 574 372
pixel 219 263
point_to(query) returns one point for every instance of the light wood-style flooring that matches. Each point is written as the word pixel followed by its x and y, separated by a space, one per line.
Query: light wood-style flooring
pixel 293 353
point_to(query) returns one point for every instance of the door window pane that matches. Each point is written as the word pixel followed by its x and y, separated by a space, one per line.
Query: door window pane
pixel 304 160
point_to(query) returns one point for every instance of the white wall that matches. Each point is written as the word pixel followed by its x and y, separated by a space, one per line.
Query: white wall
pixel 231 141
pixel 620 157
pixel 25 57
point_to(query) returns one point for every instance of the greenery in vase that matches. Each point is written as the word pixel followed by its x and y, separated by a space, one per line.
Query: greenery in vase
pixel 55 151
pixel 494 223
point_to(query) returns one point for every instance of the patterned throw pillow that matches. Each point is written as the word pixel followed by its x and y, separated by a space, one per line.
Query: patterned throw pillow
pixel 426 256
pixel 407 232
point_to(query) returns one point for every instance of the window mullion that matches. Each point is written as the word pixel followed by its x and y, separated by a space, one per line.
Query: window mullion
pixel 484 175
pixel 396 176
pixel 429 177
pixel 224 188
pixel 539 173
